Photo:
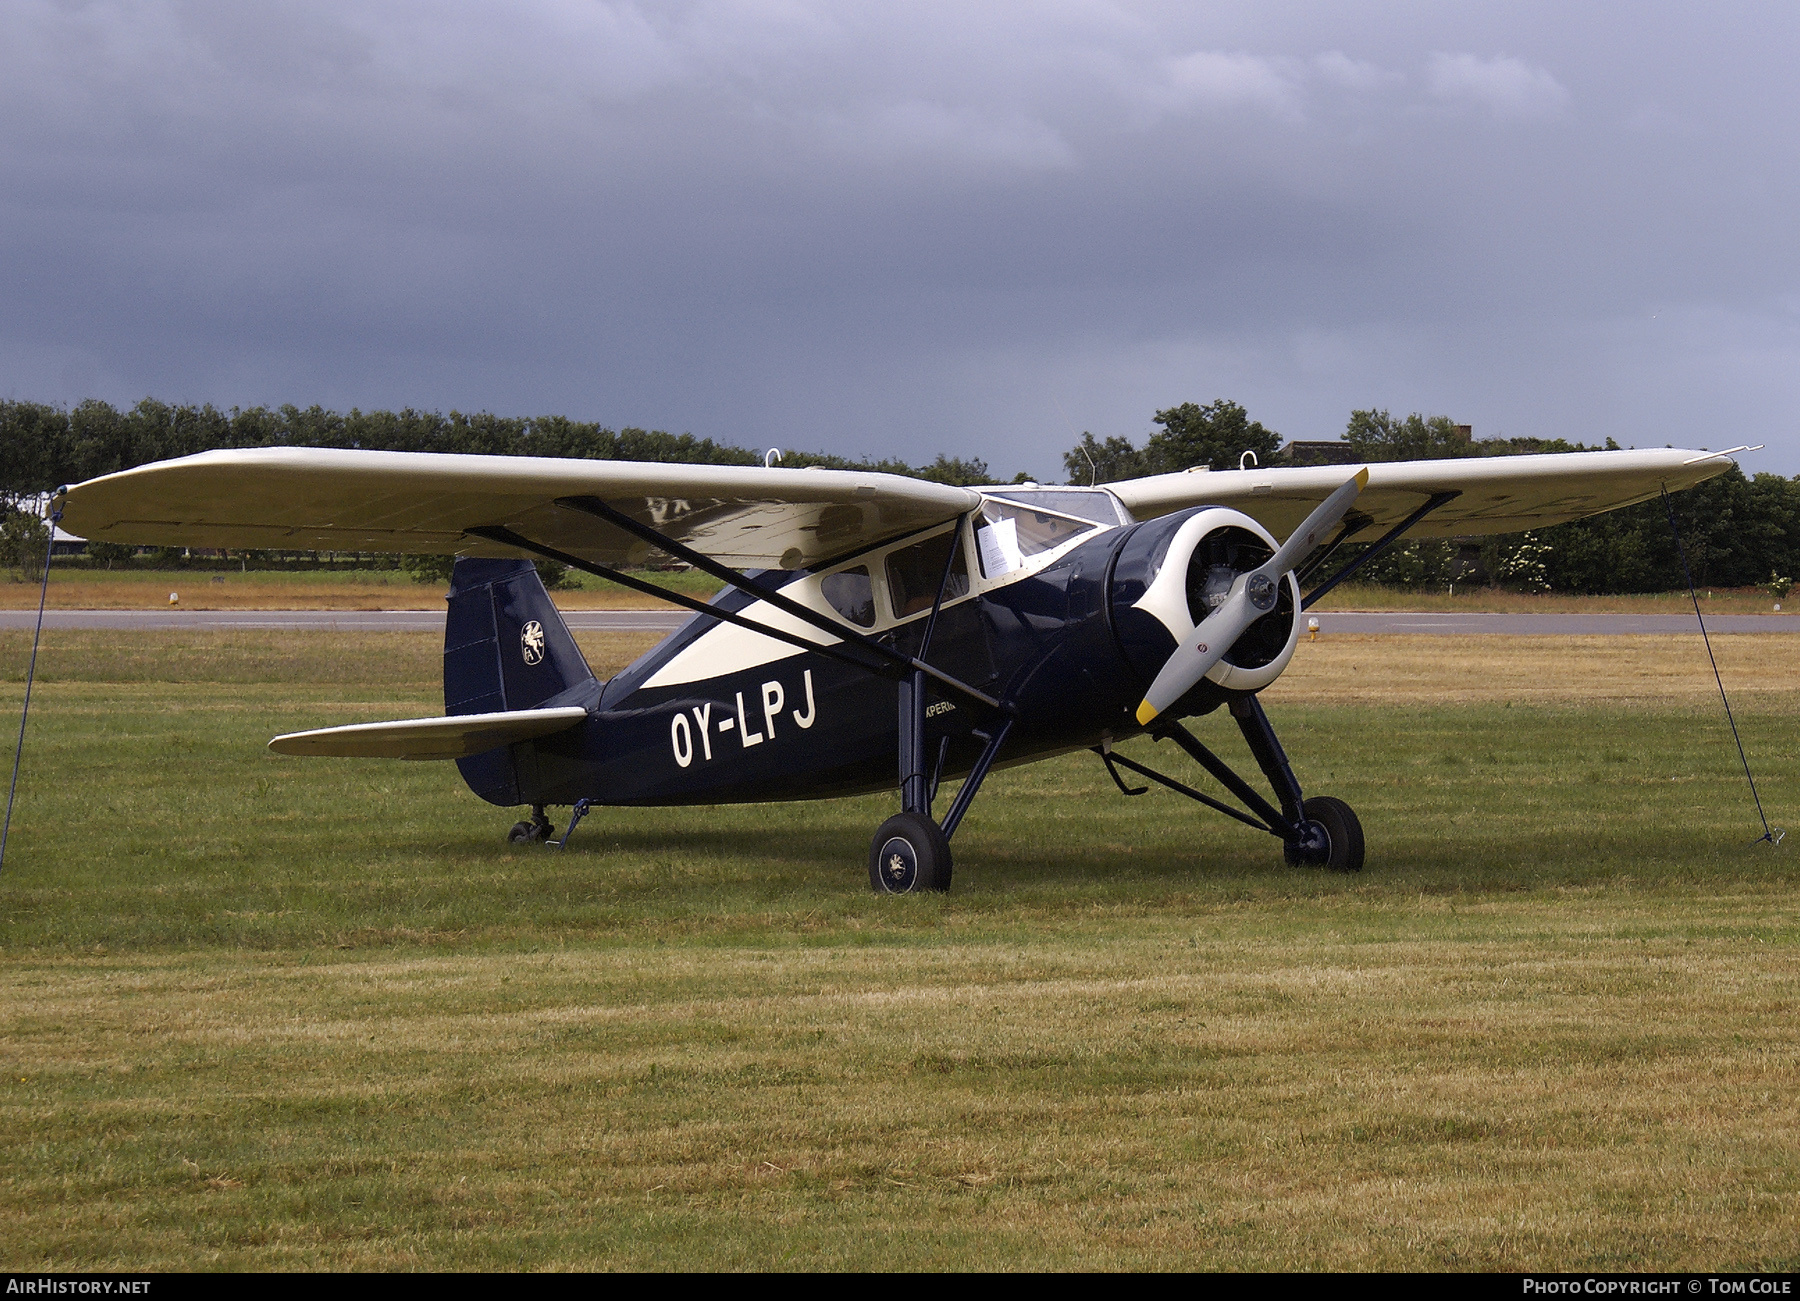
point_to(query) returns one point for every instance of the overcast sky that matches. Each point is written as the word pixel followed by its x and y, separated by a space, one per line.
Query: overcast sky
pixel 909 229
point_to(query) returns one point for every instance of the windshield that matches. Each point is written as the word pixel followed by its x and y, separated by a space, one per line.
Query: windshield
pixel 1008 534
pixel 1083 503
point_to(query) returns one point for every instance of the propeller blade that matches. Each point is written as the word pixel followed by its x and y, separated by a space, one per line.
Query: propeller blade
pixel 1310 536
pixel 1195 657
pixel 1253 595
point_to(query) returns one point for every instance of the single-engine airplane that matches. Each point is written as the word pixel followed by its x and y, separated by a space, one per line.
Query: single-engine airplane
pixel 874 632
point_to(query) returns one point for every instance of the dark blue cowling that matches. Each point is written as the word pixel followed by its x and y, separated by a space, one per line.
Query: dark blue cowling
pixel 505 647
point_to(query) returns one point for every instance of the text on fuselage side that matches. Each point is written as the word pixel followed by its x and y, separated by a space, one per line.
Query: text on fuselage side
pixel 682 734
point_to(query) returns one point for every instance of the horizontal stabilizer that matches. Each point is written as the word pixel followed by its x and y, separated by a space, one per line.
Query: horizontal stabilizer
pixel 430 738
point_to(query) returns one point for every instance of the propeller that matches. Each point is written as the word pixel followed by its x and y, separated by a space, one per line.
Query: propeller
pixel 1252 596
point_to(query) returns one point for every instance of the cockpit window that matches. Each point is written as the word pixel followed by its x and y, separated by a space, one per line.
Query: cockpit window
pixel 914 573
pixel 1090 504
pixel 852 595
pixel 1007 534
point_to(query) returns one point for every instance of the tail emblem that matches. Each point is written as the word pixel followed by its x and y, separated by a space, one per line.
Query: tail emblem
pixel 531 641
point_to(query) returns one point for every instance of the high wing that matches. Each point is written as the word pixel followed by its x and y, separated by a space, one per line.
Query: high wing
pixel 1494 494
pixel 321 499
pixel 429 738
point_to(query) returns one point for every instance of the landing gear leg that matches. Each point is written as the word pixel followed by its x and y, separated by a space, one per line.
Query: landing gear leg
pixel 911 851
pixel 1326 830
pixel 1321 831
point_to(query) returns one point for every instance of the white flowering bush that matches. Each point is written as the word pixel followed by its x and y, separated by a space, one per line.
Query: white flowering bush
pixel 1525 565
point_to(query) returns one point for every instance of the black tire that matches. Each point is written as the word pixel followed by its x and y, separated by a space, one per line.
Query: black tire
pixel 530 833
pixel 1342 830
pixel 909 855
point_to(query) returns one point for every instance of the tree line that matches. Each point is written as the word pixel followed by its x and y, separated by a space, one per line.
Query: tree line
pixel 1218 434
pixel 1737 531
pixel 44 446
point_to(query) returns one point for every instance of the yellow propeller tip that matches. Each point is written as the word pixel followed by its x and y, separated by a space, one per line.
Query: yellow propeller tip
pixel 1362 478
pixel 1145 713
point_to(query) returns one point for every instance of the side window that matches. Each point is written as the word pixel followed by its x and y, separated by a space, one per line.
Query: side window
pixel 852 595
pixel 1006 534
pixel 913 574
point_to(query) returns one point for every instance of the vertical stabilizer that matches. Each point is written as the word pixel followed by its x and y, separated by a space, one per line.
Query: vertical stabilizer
pixel 505 647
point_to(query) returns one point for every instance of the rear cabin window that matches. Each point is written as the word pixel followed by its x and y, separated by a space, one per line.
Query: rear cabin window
pixel 852 595
pixel 914 573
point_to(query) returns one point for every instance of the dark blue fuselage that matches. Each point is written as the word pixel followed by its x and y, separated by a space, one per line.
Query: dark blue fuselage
pixel 1063 646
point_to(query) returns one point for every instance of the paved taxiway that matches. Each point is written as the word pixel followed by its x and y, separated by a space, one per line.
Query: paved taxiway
pixel 321 620
pixel 1448 625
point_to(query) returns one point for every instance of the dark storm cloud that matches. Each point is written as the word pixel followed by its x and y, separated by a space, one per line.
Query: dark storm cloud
pixel 824 225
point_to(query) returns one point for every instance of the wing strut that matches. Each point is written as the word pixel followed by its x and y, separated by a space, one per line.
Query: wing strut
pixel 910 671
pixel 943 585
pixel 916 793
pixel 1381 544
pixel 506 537
pixel 895 663
pixel 743 582
pixel 1355 522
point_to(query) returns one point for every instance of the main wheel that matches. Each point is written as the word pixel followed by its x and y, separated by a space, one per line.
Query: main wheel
pixel 909 854
pixel 1343 849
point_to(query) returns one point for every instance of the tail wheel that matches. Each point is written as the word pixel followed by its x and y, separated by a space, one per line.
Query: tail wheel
pixel 1343 833
pixel 909 855
pixel 530 833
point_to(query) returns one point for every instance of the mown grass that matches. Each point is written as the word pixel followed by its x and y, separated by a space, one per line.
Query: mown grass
pixel 271 1013
pixel 1473 599
pixel 74 587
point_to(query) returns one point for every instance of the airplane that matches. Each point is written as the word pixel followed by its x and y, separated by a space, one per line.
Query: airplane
pixel 874 633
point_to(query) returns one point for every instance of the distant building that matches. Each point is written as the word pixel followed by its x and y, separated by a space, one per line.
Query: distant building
pixel 1334 451
pixel 62 542
pixel 1319 452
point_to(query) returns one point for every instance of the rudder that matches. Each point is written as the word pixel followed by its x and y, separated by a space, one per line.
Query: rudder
pixel 505 647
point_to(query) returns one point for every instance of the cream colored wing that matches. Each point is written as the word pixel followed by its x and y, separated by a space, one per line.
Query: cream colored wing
pixel 320 499
pixel 1494 494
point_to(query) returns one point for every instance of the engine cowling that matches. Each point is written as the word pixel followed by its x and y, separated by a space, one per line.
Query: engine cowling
pixel 1172 572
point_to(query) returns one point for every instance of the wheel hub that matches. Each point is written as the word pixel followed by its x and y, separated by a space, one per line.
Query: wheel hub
pixel 899 865
pixel 1312 847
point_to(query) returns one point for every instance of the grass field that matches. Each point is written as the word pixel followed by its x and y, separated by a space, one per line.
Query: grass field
pixel 268 1013
pixel 1486 600
pixel 74 588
